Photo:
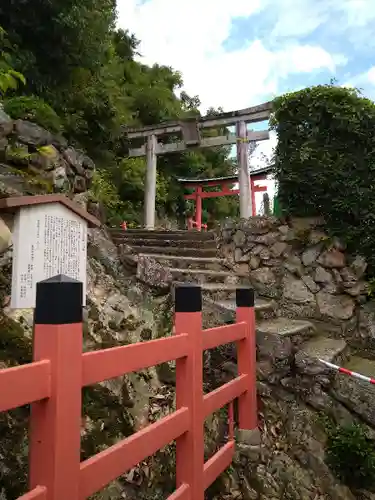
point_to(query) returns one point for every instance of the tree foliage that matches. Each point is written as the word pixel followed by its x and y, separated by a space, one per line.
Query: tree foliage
pixel 325 161
pixel 88 74
pixel 9 78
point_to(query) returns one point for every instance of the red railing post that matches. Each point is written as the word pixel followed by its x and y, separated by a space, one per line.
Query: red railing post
pixel 55 422
pixel 189 390
pixel 246 359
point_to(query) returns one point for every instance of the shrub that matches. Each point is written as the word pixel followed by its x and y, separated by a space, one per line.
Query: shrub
pixel 35 110
pixel 351 456
pixel 325 161
pixel 105 192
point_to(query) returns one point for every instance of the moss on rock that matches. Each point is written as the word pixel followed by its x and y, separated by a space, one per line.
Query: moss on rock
pixel 15 348
pixel 110 421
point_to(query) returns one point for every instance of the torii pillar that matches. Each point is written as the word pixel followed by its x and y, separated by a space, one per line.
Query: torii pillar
pixel 246 209
pixel 150 184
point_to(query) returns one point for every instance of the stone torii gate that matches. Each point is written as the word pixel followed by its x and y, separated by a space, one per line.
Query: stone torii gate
pixel 190 130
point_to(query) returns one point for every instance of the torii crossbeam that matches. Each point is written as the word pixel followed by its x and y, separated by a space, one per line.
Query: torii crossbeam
pixel 190 132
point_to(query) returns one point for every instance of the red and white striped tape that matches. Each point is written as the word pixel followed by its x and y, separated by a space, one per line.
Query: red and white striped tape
pixel 348 372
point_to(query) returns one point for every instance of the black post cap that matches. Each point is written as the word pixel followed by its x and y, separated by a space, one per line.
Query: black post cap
pixel 245 297
pixel 188 298
pixel 58 301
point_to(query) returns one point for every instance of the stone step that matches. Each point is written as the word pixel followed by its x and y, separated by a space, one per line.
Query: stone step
pixel 321 347
pixel 326 348
pixel 175 251
pixel 211 263
pixel 223 291
pixel 158 234
pixel 264 309
pixel 152 242
pixel 285 327
pixel 203 276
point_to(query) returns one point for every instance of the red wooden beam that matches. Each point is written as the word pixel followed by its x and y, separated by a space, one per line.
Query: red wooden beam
pixel 38 493
pixel 224 394
pixel 32 383
pixel 101 469
pixel 218 194
pixel 182 493
pixel 218 463
pixel 216 182
pixel 213 337
pixel 116 361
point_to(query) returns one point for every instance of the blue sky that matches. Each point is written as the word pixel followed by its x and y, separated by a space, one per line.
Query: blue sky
pixel 239 53
pixel 346 30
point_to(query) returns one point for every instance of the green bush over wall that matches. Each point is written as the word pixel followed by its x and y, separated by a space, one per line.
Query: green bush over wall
pixel 35 110
pixel 325 161
pixel 351 456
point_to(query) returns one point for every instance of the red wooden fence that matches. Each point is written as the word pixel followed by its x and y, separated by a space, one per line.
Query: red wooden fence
pixel 52 383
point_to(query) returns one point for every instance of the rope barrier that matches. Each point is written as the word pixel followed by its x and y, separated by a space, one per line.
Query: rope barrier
pixel 340 369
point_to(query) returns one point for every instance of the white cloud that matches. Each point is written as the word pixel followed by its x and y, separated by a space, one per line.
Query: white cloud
pixel 189 35
pixel 365 80
pixel 371 75
pixel 295 19
pixel 172 33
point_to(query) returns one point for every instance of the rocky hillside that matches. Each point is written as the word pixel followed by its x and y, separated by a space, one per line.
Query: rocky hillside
pixel 34 159
pixel 297 395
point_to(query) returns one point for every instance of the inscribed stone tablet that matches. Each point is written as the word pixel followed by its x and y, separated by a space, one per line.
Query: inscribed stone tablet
pixel 48 240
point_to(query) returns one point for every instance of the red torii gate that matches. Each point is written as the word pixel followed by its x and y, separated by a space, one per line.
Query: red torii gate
pixel 226 184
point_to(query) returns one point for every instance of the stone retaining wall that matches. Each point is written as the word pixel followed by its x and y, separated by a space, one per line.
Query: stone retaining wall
pixel 307 273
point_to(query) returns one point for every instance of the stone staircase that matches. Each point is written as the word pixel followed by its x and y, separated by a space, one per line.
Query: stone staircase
pixel 192 257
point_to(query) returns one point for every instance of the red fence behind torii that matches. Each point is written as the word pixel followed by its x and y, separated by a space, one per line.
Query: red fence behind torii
pixel 53 383
pixel 226 184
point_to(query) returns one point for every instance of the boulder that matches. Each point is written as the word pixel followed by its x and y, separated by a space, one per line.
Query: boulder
pixel 338 307
pixel 359 266
pixel 278 248
pixel 332 258
pixel 32 134
pixel 75 159
pixel 17 154
pixel 366 324
pixel 3 147
pixel 310 283
pixel 47 159
pixel 294 265
pixel 317 236
pixel 239 256
pixel 254 262
pixel 296 291
pixel 79 185
pixel 6 124
pixel 322 275
pixel 348 275
pixel 153 273
pixel 59 179
pixel 264 281
pixel 311 254
pixel 87 163
pixel 239 238
pixel 266 239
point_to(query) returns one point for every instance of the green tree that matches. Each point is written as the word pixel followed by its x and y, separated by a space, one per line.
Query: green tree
pixel 86 71
pixel 325 161
pixel 9 78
